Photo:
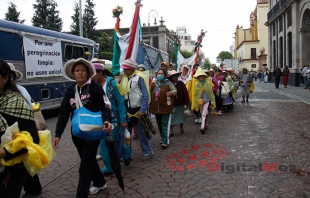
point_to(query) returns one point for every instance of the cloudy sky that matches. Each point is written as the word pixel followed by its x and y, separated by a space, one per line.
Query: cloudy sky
pixel 218 17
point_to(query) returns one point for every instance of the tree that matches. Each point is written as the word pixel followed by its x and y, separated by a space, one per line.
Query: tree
pixel 207 63
pixel 186 54
pixel 12 14
pixel 223 55
pixel 75 25
pixel 106 44
pixel 55 22
pixel 90 21
pixel 46 15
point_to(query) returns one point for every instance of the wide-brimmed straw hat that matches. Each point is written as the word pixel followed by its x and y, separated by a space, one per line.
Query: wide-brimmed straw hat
pixel 18 74
pixel 142 66
pixel 211 70
pixel 96 60
pixel 68 68
pixel 173 72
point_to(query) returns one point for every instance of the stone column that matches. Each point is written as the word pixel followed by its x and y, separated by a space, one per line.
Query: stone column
pixel 262 60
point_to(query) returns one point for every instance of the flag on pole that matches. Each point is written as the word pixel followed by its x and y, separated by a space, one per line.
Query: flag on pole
pixel 126 46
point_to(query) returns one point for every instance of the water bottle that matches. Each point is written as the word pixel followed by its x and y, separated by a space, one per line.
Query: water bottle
pixel 168 99
pixel 127 137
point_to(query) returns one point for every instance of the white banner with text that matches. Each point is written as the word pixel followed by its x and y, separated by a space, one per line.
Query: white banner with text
pixel 42 57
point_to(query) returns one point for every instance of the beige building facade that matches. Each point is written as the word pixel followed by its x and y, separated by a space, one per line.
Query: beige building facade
pixel 289 36
pixel 251 45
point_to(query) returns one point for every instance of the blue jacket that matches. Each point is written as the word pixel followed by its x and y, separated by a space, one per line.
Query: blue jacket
pixel 116 100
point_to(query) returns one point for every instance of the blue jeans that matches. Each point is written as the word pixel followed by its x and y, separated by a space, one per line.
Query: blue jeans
pixel 122 149
pixel 144 142
pixel 306 82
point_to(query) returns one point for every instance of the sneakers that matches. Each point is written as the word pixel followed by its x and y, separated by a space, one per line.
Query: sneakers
pixel 127 162
pixel 29 195
pixel 95 190
pixel 164 146
pixel 196 120
pixel 199 120
pixel 98 157
pixel 219 113
pixel 149 155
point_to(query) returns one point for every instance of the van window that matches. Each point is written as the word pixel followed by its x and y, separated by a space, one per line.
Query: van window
pixel 74 51
pixel 45 94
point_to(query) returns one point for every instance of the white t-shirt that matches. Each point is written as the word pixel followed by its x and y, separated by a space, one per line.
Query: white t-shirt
pixel 25 94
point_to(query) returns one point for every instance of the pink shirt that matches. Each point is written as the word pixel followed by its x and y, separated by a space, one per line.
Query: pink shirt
pixel 216 82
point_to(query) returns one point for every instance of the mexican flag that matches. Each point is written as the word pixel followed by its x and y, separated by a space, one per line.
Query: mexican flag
pixel 126 46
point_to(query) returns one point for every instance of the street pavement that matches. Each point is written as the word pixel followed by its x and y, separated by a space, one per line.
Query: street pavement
pixel 256 149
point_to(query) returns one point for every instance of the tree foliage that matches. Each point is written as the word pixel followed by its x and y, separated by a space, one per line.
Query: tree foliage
pixel 75 25
pixel 55 22
pixel 207 63
pixel 46 15
pixel 106 44
pixel 105 55
pixel 12 14
pixel 90 21
pixel 223 55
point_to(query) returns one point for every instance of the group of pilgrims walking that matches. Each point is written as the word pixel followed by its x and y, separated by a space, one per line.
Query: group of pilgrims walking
pixel 127 108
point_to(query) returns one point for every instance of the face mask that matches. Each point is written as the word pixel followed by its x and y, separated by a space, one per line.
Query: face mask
pixel 160 77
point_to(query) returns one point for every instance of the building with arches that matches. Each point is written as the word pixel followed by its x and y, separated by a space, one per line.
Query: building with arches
pixel 289 36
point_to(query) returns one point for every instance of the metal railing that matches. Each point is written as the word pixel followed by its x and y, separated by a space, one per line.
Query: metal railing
pixel 276 8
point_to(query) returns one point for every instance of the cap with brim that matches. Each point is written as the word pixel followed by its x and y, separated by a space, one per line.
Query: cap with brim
pixel 129 64
pixel 142 66
pixel 68 73
pixel 96 60
pixel 199 72
pixel 98 66
pixel 18 74
pixel 173 72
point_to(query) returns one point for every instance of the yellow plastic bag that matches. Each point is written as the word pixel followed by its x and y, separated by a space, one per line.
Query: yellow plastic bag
pixel 251 87
pixel 37 157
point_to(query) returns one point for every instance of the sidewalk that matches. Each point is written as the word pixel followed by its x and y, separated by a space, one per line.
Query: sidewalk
pixel 298 93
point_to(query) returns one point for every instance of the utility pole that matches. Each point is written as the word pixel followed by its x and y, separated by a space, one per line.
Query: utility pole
pixel 80 20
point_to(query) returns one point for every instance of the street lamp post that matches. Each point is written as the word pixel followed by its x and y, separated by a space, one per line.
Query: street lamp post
pixel 155 14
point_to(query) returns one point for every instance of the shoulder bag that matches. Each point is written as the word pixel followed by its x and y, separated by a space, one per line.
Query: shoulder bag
pixel 87 124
